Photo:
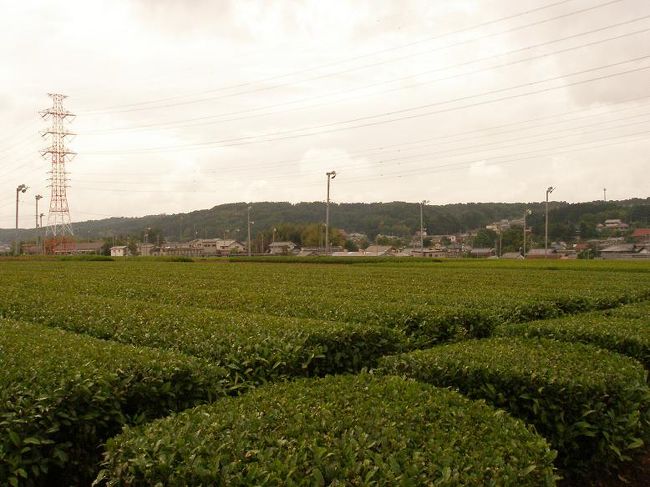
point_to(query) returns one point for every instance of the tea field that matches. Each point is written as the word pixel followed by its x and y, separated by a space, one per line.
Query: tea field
pixel 236 372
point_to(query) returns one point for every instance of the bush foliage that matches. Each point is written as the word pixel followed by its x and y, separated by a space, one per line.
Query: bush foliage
pixel 62 395
pixel 252 348
pixel 591 404
pixel 625 330
pixel 343 430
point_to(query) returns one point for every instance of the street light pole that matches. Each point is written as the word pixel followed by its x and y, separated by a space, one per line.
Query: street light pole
pixel 249 230
pixel 20 189
pixel 526 213
pixel 38 197
pixel 422 203
pixel 548 191
pixel 41 235
pixel 330 175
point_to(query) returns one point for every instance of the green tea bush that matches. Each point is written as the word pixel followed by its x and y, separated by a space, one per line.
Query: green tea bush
pixel 62 395
pixel 341 430
pixel 86 258
pixel 591 404
pixel 431 303
pixel 252 348
pixel 625 330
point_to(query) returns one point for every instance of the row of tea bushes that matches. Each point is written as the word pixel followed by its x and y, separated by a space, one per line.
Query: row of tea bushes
pixel 625 330
pixel 424 324
pixel 419 299
pixel 341 430
pixel 62 395
pixel 252 348
pixel 591 404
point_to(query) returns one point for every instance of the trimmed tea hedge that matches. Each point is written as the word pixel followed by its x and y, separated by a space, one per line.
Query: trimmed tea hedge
pixel 625 330
pixel 342 430
pixel 431 303
pixel 62 395
pixel 252 348
pixel 591 404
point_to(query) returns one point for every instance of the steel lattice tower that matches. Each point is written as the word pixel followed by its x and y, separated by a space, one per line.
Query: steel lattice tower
pixel 58 220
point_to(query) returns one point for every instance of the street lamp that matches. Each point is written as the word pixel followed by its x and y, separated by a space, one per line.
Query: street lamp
pixel 549 190
pixel 330 175
pixel 42 237
pixel 422 203
pixel 526 213
pixel 38 197
pixel 249 229
pixel 20 189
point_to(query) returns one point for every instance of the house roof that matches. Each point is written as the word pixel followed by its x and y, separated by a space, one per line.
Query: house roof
pixel 282 244
pixel 539 252
pixel 480 250
pixel 374 249
pixel 620 248
pixel 641 232
pixel 118 247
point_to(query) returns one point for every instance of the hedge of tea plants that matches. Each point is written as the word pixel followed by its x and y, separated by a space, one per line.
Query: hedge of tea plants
pixel 343 430
pixel 625 330
pixel 251 348
pixel 591 404
pixel 62 395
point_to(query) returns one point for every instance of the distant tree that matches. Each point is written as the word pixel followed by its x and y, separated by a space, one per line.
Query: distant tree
pixel 132 245
pixel 484 238
pixel 350 246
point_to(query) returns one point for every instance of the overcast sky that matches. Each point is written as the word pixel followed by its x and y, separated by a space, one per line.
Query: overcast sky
pixel 186 104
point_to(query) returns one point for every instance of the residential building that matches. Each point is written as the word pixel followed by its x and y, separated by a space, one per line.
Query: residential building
pixel 482 252
pixel 641 235
pixel 282 248
pixel 380 250
pixel 120 251
pixel 625 251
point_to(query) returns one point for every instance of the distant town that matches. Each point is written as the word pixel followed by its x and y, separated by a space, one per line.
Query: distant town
pixel 502 239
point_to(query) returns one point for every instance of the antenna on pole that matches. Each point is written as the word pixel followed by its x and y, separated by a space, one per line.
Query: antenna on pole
pixel 59 226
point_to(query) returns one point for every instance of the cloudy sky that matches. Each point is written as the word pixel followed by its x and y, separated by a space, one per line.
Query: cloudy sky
pixel 186 104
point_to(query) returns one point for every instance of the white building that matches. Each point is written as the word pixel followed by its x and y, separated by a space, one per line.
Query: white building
pixel 120 251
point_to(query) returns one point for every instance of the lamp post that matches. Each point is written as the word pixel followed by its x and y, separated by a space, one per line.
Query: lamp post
pixel 249 230
pixel 41 236
pixel 422 203
pixel 330 175
pixel 526 213
pixel 20 189
pixel 549 190
pixel 37 197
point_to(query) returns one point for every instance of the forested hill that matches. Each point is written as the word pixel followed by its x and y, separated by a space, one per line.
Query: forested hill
pixel 396 218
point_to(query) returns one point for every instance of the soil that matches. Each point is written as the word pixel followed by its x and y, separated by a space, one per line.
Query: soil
pixel 633 474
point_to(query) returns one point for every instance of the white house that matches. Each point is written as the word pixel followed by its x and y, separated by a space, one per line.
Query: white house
pixel 120 251
pixel 281 248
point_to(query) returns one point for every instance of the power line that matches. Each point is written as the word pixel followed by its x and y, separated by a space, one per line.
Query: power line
pixel 452 151
pixel 355 58
pixel 175 124
pixel 295 133
pixel 328 75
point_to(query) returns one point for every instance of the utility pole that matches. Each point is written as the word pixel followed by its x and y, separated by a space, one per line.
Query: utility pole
pixel 548 191
pixel 20 189
pixel 249 230
pixel 41 236
pixel 526 213
pixel 58 219
pixel 330 175
pixel 422 203
pixel 37 197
